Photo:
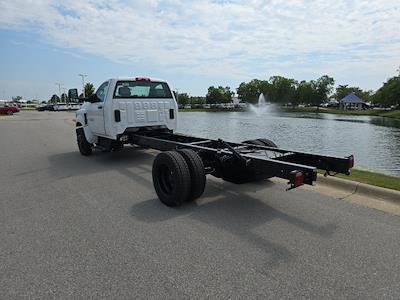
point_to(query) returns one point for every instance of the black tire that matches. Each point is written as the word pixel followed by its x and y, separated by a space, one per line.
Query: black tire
pixel 197 173
pixel 85 148
pixel 117 146
pixel 261 142
pixel 10 112
pixel 171 178
pixel 268 143
pixel 254 142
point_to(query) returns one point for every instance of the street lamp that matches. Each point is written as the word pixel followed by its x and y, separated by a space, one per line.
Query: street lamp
pixel 59 88
pixel 83 83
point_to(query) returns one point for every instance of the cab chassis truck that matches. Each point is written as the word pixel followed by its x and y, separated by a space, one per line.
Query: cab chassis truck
pixel 142 111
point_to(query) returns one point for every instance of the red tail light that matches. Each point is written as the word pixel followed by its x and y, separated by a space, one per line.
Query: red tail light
pixel 351 161
pixel 296 180
pixel 142 79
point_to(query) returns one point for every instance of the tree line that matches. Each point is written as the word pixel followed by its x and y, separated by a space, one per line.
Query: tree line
pixel 288 91
pixel 283 91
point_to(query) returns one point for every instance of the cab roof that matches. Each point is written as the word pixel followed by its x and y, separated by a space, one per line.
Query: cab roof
pixel 137 78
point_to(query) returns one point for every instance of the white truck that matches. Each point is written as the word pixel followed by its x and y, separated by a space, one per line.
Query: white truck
pixel 121 106
pixel 143 111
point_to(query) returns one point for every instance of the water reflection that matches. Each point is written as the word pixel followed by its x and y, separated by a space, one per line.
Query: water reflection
pixel 374 141
pixel 387 122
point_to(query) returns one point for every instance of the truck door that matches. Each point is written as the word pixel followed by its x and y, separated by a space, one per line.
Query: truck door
pixel 95 111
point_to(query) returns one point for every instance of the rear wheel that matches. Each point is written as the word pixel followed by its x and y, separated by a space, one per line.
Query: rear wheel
pixel 268 143
pixel 85 148
pixel 261 142
pixel 10 112
pixel 254 142
pixel 197 173
pixel 171 178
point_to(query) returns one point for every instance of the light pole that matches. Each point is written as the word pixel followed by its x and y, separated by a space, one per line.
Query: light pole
pixel 83 83
pixel 66 100
pixel 59 88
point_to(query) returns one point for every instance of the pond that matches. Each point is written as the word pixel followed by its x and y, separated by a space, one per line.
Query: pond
pixel 374 141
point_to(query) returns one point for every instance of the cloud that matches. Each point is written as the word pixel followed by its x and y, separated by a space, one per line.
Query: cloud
pixel 235 39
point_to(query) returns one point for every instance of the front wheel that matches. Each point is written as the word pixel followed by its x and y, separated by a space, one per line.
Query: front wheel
pixel 85 148
pixel 10 112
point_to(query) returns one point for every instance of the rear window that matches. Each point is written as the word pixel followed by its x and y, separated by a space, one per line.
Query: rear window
pixel 142 89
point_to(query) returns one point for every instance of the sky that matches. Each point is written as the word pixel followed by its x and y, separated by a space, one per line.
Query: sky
pixel 194 44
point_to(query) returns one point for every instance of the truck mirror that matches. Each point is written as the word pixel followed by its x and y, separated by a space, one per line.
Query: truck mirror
pixel 73 95
pixel 93 98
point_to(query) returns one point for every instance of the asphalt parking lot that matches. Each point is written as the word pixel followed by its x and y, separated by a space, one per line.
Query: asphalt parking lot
pixel 92 227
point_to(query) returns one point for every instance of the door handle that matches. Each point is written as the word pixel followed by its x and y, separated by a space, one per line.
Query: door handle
pixel 100 107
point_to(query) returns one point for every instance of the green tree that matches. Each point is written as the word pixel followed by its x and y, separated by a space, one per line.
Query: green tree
pixel 64 98
pixel 389 93
pixel 323 87
pixel 89 89
pixel 182 98
pixel 281 90
pixel 218 95
pixel 197 100
pixel 305 93
pixel 54 99
pixel 249 92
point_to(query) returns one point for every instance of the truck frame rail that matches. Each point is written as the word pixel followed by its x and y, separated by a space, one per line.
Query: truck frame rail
pixel 245 162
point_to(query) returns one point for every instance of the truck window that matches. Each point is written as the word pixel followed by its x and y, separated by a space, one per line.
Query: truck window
pixel 101 91
pixel 142 89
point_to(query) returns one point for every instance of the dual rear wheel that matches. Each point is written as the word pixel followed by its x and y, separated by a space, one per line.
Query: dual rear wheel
pixel 178 176
pixel 261 142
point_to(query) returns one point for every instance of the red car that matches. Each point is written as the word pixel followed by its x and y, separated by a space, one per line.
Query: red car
pixel 8 109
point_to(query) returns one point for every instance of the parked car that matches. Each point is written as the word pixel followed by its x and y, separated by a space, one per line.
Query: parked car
pixel 8 109
pixel 41 107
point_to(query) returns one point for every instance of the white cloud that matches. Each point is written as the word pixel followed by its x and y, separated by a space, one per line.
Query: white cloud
pixel 235 39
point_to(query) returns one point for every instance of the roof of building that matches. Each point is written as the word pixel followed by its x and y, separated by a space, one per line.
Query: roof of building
pixel 352 98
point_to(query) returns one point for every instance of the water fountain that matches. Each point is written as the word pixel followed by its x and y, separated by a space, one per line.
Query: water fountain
pixel 262 106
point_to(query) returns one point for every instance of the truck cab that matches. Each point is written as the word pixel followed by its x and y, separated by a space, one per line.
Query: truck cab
pixel 125 105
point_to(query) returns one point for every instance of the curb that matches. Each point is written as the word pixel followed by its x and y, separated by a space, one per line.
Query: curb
pixel 360 188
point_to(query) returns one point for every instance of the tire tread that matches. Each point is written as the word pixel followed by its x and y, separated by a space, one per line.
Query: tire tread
pixel 197 173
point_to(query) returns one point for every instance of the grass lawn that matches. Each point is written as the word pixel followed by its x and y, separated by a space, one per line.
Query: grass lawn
pixel 377 179
pixel 367 112
pixel 208 109
pixel 395 114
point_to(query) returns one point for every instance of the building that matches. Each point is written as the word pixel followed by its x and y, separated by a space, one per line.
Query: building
pixel 235 100
pixel 351 101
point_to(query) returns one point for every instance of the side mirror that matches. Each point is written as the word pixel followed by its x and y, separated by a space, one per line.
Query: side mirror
pixel 93 98
pixel 73 95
